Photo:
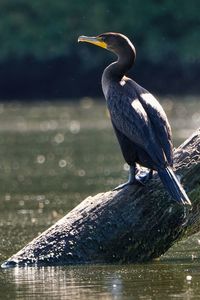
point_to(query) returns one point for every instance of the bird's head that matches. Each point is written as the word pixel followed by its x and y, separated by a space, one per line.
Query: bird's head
pixel 112 41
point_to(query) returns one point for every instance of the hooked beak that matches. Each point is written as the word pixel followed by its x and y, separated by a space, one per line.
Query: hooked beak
pixel 93 40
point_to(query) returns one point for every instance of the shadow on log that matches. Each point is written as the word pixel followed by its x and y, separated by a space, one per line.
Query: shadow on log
pixel 135 224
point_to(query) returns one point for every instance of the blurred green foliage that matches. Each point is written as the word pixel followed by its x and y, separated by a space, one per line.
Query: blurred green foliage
pixel 49 28
pixel 40 56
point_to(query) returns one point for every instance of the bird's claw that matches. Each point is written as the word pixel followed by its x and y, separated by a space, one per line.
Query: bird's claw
pixel 143 176
pixel 140 178
pixel 126 184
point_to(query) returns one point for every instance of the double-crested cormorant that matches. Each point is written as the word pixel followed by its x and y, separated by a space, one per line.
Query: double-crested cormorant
pixel 139 121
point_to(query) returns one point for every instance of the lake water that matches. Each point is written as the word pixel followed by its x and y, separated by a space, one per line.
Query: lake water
pixel 52 156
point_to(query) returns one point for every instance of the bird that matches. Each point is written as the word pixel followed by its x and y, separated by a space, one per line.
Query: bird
pixel 139 121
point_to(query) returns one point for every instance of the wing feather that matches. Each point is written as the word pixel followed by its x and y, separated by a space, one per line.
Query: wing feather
pixel 158 118
pixel 131 119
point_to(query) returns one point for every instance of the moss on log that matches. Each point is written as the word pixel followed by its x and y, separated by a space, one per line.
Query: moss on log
pixel 135 224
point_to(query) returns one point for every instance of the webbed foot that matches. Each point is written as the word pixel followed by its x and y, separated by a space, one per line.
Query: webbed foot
pixel 123 185
pixel 144 175
pixel 136 176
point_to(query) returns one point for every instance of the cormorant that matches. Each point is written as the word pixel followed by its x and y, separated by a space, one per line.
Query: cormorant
pixel 139 121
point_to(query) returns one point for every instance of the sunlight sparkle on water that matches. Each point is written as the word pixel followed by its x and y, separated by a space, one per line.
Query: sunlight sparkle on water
pixel 41 159
pixel 59 138
pixel 74 126
pixel 62 163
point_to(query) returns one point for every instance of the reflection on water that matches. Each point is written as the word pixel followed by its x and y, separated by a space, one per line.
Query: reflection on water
pixel 52 157
pixel 149 281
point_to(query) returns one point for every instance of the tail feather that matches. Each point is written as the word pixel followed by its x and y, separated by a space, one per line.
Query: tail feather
pixel 173 186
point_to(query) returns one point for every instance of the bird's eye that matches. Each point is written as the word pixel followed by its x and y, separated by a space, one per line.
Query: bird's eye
pixel 103 38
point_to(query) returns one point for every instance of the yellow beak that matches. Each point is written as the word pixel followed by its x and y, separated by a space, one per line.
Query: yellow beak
pixel 92 40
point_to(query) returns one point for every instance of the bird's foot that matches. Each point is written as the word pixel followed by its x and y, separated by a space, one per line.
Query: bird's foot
pixel 126 184
pixel 141 178
pixel 144 175
pixel 131 179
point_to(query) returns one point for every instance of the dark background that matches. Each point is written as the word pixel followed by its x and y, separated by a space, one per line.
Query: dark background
pixel 40 56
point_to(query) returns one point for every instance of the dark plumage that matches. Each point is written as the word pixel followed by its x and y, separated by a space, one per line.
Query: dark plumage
pixel 139 121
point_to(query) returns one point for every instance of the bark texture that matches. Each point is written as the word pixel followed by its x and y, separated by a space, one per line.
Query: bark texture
pixel 135 224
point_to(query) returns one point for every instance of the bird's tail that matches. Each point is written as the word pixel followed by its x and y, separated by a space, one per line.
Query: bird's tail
pixel 173 186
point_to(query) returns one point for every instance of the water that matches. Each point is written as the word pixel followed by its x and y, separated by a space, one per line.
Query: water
pixel 149 281
pixel 52 157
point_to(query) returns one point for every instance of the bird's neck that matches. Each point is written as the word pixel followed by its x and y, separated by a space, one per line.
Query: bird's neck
pixel 116 70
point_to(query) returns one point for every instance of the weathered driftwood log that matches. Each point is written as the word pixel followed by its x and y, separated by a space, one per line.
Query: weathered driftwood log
pixel 132 225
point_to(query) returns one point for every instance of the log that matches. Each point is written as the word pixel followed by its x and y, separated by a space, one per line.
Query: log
pixel 136 224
